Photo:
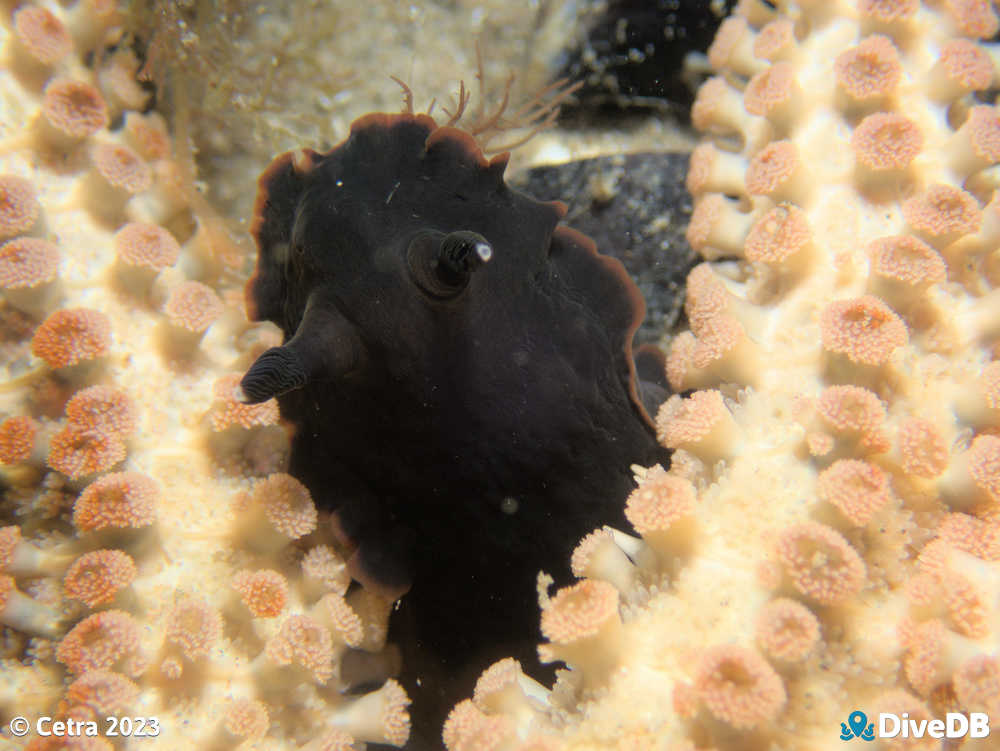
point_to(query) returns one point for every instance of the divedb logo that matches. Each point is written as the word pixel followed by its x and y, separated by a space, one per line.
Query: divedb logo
pixel 857 727
pixel 954 725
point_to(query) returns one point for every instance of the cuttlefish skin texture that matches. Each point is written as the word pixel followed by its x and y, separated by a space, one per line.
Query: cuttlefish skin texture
pixel 458 369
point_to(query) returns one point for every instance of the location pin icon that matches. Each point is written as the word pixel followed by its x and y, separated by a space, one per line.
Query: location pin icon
pixel 857 720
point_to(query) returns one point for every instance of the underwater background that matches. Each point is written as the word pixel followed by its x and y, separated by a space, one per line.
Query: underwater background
pixel 815 234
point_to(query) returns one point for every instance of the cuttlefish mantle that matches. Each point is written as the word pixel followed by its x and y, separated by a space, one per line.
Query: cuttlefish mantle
pixel 458 367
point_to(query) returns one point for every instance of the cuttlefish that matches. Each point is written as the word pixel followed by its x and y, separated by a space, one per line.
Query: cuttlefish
pixel 458 368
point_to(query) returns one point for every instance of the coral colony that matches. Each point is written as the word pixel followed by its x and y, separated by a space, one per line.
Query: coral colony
pixel 822 545
pixel 827 536
pixel 156 563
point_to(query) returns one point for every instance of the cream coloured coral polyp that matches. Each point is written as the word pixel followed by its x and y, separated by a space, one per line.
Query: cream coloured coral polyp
pixel 868 74
pixel 973 476
pixel 584 630
pixel 597 556
pixel 245 719
pixel 117 78
pixel 782 240
pixel 885 147
pixel 922 448
pixel 973 18
pixel 708 295
pixel 820 563
pixel 715 171
pixel 894 18
pixel 29 275
pixel 701 424
pixel 17 439
pixel 103 692
pixel 108 640
pixel 663 511
pixel 977 683
pixel 40 39
pixel 978 404
pixel 725 353
pixel 718 228
pixel 147 133
pixel 193 627
pixel 776 95
pixel 504 688
pixel 96 578
pixel 787 630
pixel 733 48
pixel 191 308
pixel 323 571
pixel 776 41
pixel 858 489
pixel 263 592
pixel 277 511
pixel 377 717
pixel 778 172
pixel 933 654
pixel 23 613
pixel 718 108
pixel 739 687
pixel 71 112
pixel 977 537
pixel 71 336
pixel 117 174
pixel 81 453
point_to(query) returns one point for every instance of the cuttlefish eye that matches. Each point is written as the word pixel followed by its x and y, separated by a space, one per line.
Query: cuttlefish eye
pixel 442 264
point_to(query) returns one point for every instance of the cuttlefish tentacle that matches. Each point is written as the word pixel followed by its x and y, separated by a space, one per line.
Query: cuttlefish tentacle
pixel 325 346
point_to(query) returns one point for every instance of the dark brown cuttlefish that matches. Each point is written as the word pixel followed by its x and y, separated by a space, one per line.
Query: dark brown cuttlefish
pixel 460 375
